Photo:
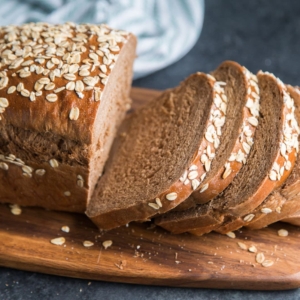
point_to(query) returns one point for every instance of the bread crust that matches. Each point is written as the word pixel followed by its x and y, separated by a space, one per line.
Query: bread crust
pixel 293 219
pixel 41 115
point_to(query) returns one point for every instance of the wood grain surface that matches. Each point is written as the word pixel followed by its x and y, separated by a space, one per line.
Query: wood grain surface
pixel 142 254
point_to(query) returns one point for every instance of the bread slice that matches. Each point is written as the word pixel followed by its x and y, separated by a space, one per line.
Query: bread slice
pixel 155 161
pixel 237 133
pixel 251 186
pixel 284 203
pixel 64 90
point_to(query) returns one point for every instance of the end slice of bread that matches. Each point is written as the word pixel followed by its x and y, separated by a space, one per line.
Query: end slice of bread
pixel 155 161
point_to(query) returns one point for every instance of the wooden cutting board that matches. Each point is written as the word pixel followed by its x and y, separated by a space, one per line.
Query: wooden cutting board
pixel 144 255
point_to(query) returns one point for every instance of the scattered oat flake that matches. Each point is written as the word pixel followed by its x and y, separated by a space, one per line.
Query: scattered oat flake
pixel 260 258
pixel 107 244
pixel 65 229
pixel 15 209
pixel 283 232
pixel 88 244
pixel 58 241
pixel 267 263
pixel 242 245
pixel 231 234
pixel 252 249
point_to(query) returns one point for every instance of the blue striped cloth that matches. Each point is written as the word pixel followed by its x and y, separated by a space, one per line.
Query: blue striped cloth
pixel 166 29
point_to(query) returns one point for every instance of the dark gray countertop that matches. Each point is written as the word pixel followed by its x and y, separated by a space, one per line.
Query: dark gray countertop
pixel 258 34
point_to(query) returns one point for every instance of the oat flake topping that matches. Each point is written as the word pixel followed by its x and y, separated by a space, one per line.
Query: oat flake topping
pixel 57 51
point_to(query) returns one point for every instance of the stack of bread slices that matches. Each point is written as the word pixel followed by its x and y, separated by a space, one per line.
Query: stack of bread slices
pixel 242 170
pixel 216 153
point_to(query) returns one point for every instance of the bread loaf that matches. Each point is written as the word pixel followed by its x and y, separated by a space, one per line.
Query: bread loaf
pixel 64 90
pixel 155 161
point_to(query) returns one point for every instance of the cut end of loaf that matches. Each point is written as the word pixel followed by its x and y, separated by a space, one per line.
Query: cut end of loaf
pixel 154 148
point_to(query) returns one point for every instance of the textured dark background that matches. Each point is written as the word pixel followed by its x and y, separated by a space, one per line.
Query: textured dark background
pixel 259 34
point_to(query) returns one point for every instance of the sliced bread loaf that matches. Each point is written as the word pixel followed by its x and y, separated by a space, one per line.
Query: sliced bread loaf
pixel 155 161
pixel 242 96
pixel 64 90
pixel 256 179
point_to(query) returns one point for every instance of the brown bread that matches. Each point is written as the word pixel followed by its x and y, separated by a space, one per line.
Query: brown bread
pixel 237 138
pixel 64 89
pixel 155 161
pixel 284 202
pixel 293 219
pixel 287 133
pixel 237 133
pixel 251 186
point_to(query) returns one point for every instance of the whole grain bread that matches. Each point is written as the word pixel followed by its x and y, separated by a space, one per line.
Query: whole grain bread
pixel 242 97
pixel 255 180
pixel 64 90
pixel 283 160
pixel 155 161
pixel 283 204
